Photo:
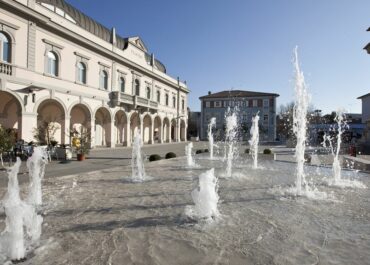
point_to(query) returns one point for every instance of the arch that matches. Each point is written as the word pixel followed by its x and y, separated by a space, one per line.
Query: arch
pixel 80 118
pixel 11 112
pixel 166 130
pixel 41 100
pixel 173 130
pixel 120 127
pixel 50 122
pixel 182 130
pixel 103 122
pixel 147 129
pixel 134 124
pixel 158 130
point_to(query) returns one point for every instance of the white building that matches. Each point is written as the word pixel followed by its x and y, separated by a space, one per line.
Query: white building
pixel 59 66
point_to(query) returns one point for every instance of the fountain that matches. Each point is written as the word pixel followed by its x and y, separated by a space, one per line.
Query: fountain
pixel 19 215
pixel 205 198
pixel 302 100
pixel 253 142
pixel 137 163
pixel 36 168
pixel 337 179
pixel 231 132
pixel 189 157
pixel 211 125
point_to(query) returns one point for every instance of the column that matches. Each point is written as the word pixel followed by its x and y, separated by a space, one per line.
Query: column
pixel 128 133
pixel 92 132
pixel 151 133
pixel 112 136
pixel 67 129
pixel 29 121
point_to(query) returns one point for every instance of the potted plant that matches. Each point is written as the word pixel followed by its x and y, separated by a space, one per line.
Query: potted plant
pixel 81 142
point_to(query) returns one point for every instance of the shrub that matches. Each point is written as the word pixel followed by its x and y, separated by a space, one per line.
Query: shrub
pixel 267 151
pixel 206 151
pixel 199 151
pixel 154 157
pixel 170 155
pixel 307 158
pixel 247 151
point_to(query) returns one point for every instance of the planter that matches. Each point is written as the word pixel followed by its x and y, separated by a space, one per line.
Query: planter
pixel 81 157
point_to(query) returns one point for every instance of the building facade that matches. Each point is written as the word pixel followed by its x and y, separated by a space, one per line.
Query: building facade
pixel 249 103
pixel 61 69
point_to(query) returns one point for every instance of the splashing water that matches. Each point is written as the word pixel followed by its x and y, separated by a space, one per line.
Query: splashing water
pixel 231 133
pixel 205 197
pixel 36 168
pixel 253 142
pixel 211 125
pixel 137 163
pixel 337 179
pixel 302 100
pixel 20 216
pixel 189 156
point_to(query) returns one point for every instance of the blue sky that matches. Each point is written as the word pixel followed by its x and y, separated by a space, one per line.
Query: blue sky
pixel 248 44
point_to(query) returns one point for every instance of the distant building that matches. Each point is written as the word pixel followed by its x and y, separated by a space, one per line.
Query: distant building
pixel 249 103
pixel 193 124
pixel 365 140
pixel 352 132
pixel 365 107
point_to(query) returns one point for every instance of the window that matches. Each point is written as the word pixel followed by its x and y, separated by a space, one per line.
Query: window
pixel 174 102
pixel 148 92
pixel 217 104
pixel 254 102
pixel 104 79
pixel 137 87
pixel 4 48
pixel 208 104
pixel 121 84
pixel 225 104
pixel 166 99
pixel 183 104
pixel 158 96
pixel 265 102
pixel 247 103
pixel 52 64
pixel 265 118
pixel 81 73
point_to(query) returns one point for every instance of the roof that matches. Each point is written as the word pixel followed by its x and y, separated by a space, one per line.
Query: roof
pixel 96 28
pixel 364 96
pixel 86 22
pixel 238 93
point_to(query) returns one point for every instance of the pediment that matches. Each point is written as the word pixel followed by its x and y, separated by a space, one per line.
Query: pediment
pixel 138 42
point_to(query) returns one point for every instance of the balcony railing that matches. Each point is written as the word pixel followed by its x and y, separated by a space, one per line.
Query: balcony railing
pixel 118 97
pixel 6 68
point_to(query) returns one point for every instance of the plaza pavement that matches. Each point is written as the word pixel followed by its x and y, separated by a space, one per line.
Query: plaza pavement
pixel 99 159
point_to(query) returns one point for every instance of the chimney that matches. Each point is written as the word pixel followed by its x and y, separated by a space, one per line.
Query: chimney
pixel 152 59
pixel 113 36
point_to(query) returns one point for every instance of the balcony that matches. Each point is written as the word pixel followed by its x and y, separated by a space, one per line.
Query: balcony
pixel 136 101
pixel 6 68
